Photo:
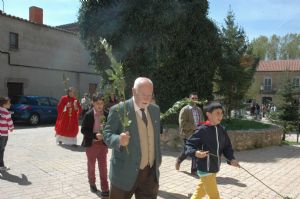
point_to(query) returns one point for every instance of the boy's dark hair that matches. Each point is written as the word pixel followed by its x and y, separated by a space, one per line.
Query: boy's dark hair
pixel 98 96
pixel 212 106
pixel 3 100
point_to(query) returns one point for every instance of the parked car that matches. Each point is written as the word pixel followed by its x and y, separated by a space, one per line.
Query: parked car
pixel 34 109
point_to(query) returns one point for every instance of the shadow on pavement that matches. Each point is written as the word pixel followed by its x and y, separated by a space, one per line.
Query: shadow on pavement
pixel 22 125
pixel 269 154
pixel 168 195
pixel 98 193
pixel 13 178
pixel 75 148
pixel 189 174
pixel 227 180
pixel 170 152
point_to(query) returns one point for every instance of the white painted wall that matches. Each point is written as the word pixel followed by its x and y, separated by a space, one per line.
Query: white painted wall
pixel 45 54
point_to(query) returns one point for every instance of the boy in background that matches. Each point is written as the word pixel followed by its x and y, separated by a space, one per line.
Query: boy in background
pixel 207 144
pixel 92 127
pixel 6 126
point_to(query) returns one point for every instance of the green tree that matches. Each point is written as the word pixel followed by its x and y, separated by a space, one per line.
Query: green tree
pixel 288 109
pixel 289 48
pixel 238 67
pixel 274 48
pixel 171 42
pixel 259 47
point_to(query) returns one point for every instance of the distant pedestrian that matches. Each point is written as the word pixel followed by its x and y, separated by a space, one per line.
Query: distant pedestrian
pixel 85 103
pixel 96 150
pixel 6 126
pixel 68 111
pixel 257 111
pixel 112 101
pixel 264 109
pixel 208 144
pixel 252 110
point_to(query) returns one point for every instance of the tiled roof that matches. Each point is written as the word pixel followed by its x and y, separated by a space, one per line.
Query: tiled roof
pixel 27 21
pixel 74 27
pixel 278 65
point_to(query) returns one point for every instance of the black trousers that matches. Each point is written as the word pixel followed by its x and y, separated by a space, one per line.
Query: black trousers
pixel 3 142
pixel 183 156
pixel 145 187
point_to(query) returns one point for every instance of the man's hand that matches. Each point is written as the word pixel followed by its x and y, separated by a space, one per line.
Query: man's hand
pixel 235 163
pixel 124 138
pixel 201 154
pixel 99 136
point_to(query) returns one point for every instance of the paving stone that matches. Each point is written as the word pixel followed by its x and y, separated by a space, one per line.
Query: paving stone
pixel 42 169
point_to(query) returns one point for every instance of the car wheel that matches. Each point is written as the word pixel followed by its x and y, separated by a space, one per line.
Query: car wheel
pixel 34 119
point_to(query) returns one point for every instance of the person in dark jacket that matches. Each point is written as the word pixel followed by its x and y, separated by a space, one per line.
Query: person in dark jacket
pixel 96 149
pixel 207 144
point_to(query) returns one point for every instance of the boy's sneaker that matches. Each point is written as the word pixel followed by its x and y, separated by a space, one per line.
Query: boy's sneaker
pixel 177 165
pixel 93 188
pixel 4 168
pixel 105 194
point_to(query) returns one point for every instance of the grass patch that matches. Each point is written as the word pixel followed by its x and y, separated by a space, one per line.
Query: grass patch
pixel 173 126
pixel 239 124
pixel 285 142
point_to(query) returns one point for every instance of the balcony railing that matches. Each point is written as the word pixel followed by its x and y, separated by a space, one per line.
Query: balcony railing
pixel 268 91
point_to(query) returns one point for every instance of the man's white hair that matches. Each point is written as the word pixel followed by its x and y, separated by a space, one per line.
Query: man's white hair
pixel 141 80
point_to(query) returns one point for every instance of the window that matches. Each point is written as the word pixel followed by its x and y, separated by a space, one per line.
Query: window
pixel 267 84
pixel 296 82
pixel 43 101
pixel 13 40
pixel 53 102
pixel 92 88
pixel 15 89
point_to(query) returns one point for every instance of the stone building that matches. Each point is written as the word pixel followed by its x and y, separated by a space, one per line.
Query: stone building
pixel 269 78
pixel 34 58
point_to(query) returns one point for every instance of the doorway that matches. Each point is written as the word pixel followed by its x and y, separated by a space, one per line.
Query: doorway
pixel 15 88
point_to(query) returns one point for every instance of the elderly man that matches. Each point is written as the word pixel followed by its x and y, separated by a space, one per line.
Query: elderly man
pixel 136 154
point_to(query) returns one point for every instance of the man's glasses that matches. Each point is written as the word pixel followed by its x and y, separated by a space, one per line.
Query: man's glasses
pixel 145 95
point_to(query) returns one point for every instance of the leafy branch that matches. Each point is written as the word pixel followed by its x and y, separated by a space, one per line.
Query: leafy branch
pixel 65 81
pixel 178 105
pixel 117 79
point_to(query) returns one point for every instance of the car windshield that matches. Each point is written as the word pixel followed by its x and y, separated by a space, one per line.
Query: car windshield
pixel 42 101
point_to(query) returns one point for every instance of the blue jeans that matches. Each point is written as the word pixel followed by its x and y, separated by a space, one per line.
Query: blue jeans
pixel 3 141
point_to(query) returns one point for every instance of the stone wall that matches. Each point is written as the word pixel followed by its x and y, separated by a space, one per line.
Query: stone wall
pixel 251 139
pixel 241 140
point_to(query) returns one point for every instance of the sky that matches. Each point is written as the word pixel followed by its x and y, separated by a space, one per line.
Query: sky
pixel 256 17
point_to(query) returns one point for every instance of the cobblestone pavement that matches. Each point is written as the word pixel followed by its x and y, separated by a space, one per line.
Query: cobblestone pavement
pixel 42 169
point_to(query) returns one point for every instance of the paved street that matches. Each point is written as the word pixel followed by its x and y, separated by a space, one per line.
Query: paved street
pixel 41 169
